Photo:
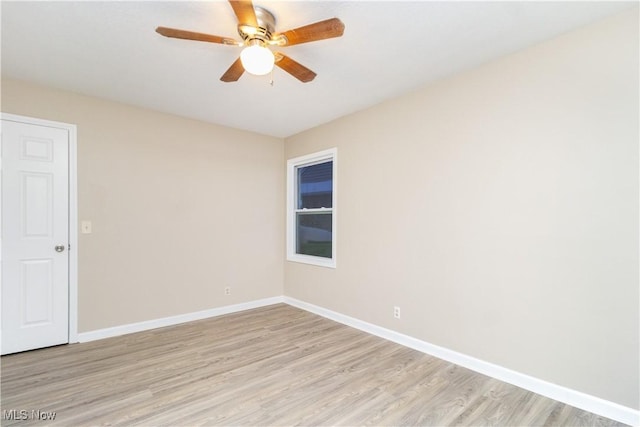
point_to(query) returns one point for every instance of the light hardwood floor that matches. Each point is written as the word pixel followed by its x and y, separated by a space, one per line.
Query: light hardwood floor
pixel 275 365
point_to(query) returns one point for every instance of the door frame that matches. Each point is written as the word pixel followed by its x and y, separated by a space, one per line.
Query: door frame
pixel 73 212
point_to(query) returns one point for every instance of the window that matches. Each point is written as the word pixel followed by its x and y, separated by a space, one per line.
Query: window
pixel 311 209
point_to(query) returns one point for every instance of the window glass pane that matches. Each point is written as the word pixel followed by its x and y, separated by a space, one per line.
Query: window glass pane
pixel 315 186
pixel 314 234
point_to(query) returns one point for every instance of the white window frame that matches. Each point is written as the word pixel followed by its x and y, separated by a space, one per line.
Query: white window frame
pixel 292 165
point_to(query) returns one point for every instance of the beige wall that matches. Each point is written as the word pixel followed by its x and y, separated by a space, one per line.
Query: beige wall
pixel 180 208
pixel 499 210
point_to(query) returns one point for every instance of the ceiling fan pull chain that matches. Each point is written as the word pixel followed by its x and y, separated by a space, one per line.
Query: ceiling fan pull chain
pixel 271 82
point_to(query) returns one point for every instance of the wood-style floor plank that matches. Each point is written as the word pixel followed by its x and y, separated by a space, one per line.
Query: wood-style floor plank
pixel 275 365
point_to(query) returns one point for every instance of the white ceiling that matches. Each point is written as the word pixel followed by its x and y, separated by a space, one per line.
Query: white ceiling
pixel 110 50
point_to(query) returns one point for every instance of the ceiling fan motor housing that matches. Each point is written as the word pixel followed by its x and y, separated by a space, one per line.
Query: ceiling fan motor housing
pixel 265 29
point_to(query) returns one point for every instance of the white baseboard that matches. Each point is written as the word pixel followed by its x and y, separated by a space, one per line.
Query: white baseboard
pixel 174 320
pixel 562 394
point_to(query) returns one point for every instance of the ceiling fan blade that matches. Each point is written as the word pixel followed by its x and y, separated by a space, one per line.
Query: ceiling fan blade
pixel 190 35
pixel 313 32
pixel 294 68
pixel 244 12
pixel 234 72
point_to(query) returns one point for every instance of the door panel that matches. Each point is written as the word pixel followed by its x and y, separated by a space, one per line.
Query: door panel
pixel 35 219
pixel 36 283
pixel 37 202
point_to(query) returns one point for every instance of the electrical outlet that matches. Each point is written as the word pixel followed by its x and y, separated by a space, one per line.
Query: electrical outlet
pixel 227 290
pixel 396 312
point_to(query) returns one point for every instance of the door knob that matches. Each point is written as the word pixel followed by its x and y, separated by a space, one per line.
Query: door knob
pixel 59 248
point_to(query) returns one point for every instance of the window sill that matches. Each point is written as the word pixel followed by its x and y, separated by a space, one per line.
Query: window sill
pixel 312 260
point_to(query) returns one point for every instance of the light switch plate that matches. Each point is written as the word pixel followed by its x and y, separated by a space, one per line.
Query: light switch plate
pixel 85 227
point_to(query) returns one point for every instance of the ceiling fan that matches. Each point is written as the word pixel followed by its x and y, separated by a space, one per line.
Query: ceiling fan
pixel 256 26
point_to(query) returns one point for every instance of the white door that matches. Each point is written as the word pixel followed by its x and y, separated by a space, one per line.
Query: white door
pixel 35 236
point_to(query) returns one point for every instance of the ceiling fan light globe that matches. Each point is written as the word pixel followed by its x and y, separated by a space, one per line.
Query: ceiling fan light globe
pixel 257 60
